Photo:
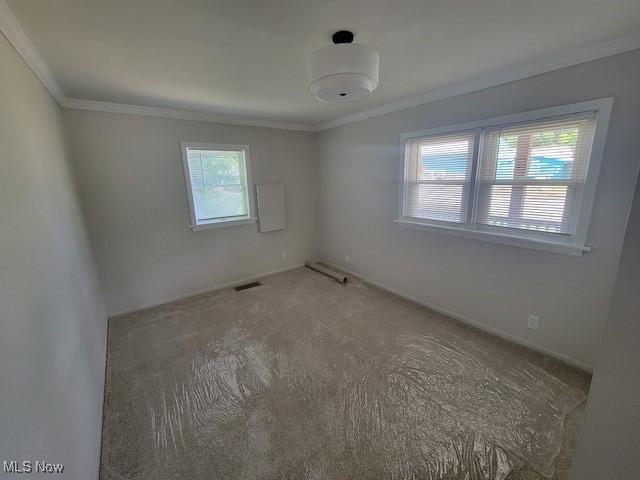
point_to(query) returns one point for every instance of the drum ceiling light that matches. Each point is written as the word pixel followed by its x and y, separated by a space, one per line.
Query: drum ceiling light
pixel 344 71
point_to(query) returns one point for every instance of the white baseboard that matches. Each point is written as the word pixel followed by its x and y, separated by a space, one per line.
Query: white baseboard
pixel 492 330
pixel 233 283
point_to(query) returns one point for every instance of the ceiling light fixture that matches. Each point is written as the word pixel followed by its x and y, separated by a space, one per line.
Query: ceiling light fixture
pixel 344 71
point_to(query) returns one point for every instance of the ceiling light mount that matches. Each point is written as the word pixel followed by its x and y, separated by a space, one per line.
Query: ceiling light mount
pixel 344 71
pixel 342 36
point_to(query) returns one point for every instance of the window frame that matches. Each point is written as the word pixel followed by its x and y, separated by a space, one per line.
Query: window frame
pixel 247 219
pixel 573 244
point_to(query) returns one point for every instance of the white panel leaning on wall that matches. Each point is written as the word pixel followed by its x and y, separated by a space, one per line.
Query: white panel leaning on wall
pixel 271 207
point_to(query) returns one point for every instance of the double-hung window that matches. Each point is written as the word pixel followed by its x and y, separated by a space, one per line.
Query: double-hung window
pixel 219 188
pixel 527 179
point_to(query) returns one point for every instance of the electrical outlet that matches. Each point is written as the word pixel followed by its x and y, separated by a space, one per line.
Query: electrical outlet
pixel 346 258
pixel 285 256
pixel 534 322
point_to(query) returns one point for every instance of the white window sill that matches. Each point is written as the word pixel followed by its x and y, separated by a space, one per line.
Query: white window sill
pixel 546 245
pixel 220 223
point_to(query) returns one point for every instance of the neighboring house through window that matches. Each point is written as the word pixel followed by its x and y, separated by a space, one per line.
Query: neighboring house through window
pixel 527 179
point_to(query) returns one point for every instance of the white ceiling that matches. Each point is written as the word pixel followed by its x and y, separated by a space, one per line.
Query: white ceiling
pixel 247 57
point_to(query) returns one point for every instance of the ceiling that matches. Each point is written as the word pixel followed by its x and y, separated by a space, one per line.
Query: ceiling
pixel 248 57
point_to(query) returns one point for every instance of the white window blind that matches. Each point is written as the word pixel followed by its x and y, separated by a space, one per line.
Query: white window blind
pixel 218 184
pixel 526 179
pixel 531 176
pixel 437 176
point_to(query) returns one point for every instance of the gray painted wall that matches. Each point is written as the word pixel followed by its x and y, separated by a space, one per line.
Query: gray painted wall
pixel 494 285
pixel 610 440
pixel 52 337
pixel 134 197
pixel 52 321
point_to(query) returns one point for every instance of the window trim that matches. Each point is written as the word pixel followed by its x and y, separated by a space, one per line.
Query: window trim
pixel 572 244
pixel 223 221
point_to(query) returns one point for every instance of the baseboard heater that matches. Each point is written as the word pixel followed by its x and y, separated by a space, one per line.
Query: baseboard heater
pixel 318 267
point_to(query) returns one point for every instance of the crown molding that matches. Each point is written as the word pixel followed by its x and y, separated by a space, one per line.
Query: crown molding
pixel 11 29
pixel 97 106
pixel 594 52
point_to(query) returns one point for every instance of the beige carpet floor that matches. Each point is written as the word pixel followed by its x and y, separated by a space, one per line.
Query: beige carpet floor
pixel 304 378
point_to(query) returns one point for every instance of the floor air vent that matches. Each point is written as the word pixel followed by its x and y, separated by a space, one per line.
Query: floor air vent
pixel 247 285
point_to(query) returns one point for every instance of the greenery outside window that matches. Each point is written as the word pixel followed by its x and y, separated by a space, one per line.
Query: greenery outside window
pixel 218 181
pixel 526 179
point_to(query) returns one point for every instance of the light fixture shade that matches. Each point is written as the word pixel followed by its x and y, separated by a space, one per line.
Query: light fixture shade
pixel 343 72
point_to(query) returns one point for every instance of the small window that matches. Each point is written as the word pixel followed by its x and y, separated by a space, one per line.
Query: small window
pixel 219 187
pixel 526 179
